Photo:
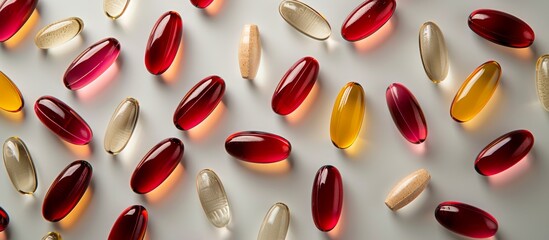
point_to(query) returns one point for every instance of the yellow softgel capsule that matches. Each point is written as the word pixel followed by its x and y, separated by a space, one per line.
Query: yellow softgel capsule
pixel 10 97
pixel 476 91
pixel 347 115
pixel 58 32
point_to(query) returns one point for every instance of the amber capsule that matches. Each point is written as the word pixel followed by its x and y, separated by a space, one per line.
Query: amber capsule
pixel 13 15
pixel 347 115
pixel 52 236
pixel 249 51
pixel 121 126
pixel 115 8
pixel 407 189
pixel 276 223
pixel 58 32
pixel 131 224
pixel 19 165
pixel 305 19
pixel 213 198
pixel 476 91
pixel 10 99
pixel 433 52
pixel 4 219
pixel 542 80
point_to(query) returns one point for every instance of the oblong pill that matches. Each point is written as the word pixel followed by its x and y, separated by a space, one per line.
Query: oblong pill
pixel 367 18
pixel 58 32
pixel 121 126
pixel 276 223
pixel 66 190
pixel 406 113
pixel 115 8
pixel 407 189
pixel 433 52
pixel 295 86
pixel 258 147
pixel 52 236
pixel 201 3
pixel 249 51
pixel 163 43
pixel 199 102
pixel 466 220
pixel 476 91
pixel 501 28
pixel 305 19
pixel 131 224
pixel 10 99
pixel 213 198
pixel 4 219
pixel 327 198
pixel 13 15
pixel 19 165
pixel 347 115
pixel 542 80
pixel 62 120
pixel 91 63
pixel 504 152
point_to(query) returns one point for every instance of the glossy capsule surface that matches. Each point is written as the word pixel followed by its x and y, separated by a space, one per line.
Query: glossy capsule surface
pixel 249 51
pixel 305 19
pixel 466 220
pixel 59 32
pixel 327 198
pixel 276 223
pixel 407 189
pixel 476 91
pixel 201 3
pixel 52 236
pixel 258 147
pixel 501 28
pixel 121 126
pixel 10 99
pixel 295 86
pixel 406 113
pixel 62 120
pixel 115 8
pixel 131 224
pixel 542 81
pixel 433 52
pixel 213 198
pixel 19 165
pixel 13 15
pixel 163 43
pixel 504 152
pixel 4 219
pixel 347 115
pixel 367 18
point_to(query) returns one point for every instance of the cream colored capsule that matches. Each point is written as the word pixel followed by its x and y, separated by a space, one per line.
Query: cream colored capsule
pixel 52 236
pixel 305 19
pixel 275 224
pixel 542 80
pixel 249 51
pixel 121 126
pixel 19 165
pixel 407 189
pixel 115 8
pixel 58 32
pixel 213 198
pixel 434 54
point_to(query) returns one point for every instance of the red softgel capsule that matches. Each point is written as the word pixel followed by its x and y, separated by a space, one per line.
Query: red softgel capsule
pixel 4 219
pixel 258 147
pixel 66 190
pixel 131 224
pixel 327 198
pixel 201 3
pixel 199 102
pixel 466 220
pixel 13 15
pixel 157 165
pixel 163 43
pixel 406 113
pixel 295 86
pixel 501 28
pixel 367 18
pixel 504 152
pixel 62 120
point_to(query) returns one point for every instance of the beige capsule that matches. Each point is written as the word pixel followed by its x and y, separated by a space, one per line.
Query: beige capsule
pixel 305 19
pixel 407 189
pixel 434 54
pixel 213 198
pixel 115 8
pixel 52 236
pixel 58 32
pixel 19 165
pixel 121 126
pixel 542 80
pixel 249 51
pixel 276 223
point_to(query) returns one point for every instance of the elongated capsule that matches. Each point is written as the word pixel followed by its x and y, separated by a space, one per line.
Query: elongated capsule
pixel 201 3
pixel 13 15
pixel 433 52
pixel 406 113
pixel 407 189
pixel 476 91
pixel 19 165
pixel 11 99
pixel 163 43
pixel 466 220
pixel 52 236
pixel 258 147
pixel 131 224
pixel 327 198
pixel 504 152
pixel 4 219
pixel 367 18
pixel 249 51
pixel 115 8
pixel 347 115
pixel 59 32
pixel 121 126
pixel 542 81
pixel 501 28
pixel 213 198
pixel 276 223
pixel 305 19
pixel 295 86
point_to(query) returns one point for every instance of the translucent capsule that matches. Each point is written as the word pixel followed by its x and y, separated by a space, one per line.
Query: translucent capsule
pixel 466 220
pixel 407 189
pixel 501 28
pixel 249 51
pixel 213 198
pixel 121 126
pixel 295 86
pixel 163 43
pixel 276 223
pixel 52 236
pixel 406 113
pixel 13 15
pixel 433 52
pixel 131 224
pixel 201 3
pixel 10 99
pixel 476 91
pixel 327 198
pixel 542 80
pixel 305 19
pixel 115 8
pixel 58 32
pixel 19 165
pixel 367 18
pixel 504 152
pixel 258 147
pixel 4 219
pixel 347 115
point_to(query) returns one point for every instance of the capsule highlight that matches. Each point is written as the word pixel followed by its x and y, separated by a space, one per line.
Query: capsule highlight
pixel 504 152
pixel 59 32
pixel 163 43
pixel 213 198
pixel 406 113
pixel 52 236
pixel 407 189
pixel 258 147
pixel 115 8
pixel 4 219
pixel 542 81
pixel 13 15
pixel 367 18
pixel 131 224
pixel 249 51
pixel 276 223
pixel 327 198
pixel 295 86
pixel 433 52
pixel 466 220
pixel 347 115
pixel 305 19
pixel 121 126
pixel 19 165
pixel 501 28
pixel 11 99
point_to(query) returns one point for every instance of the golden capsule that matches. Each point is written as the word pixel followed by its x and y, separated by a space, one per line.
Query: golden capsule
pixel 58 32
pixel 542 80
pixel 52 236
pixel 115 8
pixel 275 224
pixel 407 189
pixel 434 54
pixel 476 91
pixel 305 19
pixel 213 198
pixel 10 99
pixel 19 165
pixel 249 51
pixel 121 126
pixel 347 115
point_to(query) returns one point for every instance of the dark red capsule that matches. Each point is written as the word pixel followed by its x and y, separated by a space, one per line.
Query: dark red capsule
pixel 66 190
pixel 157 165
pixel 201 3
pixel 406 113
pixel 4 219
pixel 163 43
pixel 367 18
pixel 295 85
pixel 501 28
pixel 504 152
pixel 327 199
pixel 258 147
pixel 13 15
pixel 466 220
pixel 131 224
pixel 62 120
pixel 199 102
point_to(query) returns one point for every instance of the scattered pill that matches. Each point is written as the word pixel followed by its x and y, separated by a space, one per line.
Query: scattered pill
pixel 433 52
pixel 501 28
pixel 466 220
pixel 407 189
pixel 305 19
pixel 131 224
pixel 258 147
pixel 327 198
pixel 10 99
pixel 213 198
pixel 406 113
pixel 13 15
pixel 121 126
pixel 347 115
pixel 249 51
pixel 542 80
pixel 367 18
pixel 295 86
pixel 59 32
pixel 19 165
pixel 276 223
pixel 504 152
pixel 163 43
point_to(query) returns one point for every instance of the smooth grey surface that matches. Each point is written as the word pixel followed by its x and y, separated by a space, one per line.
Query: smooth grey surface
pixel 379 159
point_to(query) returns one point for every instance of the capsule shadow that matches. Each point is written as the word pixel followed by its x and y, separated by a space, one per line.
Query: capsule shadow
pixel 280 168
pixel 72 219
pixel 420 208
pixel 514 175
pixel 15 117
pixel 98 86
pixel 377 39
pixel 522 54
pixel 339 230
pixel 171 75
pixel 214 9
pixel 23 32
pixel 6 234
pixel 167 187
pixel 490 110
pixel 302 113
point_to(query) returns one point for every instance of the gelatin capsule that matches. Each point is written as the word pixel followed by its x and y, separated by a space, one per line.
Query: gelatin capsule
pixel 276 223
pixel 501 28
pixel 367 18
pixel 347 115
pixel 433 52
pixel 249 51
pixel 121 126
pixel 407 189
pixel 305 19
pixel 115 8
pixel 52 236
pixel 4 219
pixel 327 198
pixel 466 220
pixel 213 198
pixel 13 15
pixel 476 91
pixel 131 224
pixel 58 32
pixel 163 43
pixel 295 86
pixel 504 152
pixel 199 102
pixel 66 190
pixel 10 99
pixel 62 120
pixel 19 165
pixel 542 80
pixel 406 113
pixel 201 3
pixel 258 147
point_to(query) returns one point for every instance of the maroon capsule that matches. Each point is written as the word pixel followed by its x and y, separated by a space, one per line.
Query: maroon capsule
pixel 406 113
pixel 199 102
pixel 504 152
pixel 501 28
pixel 91 63
pixel 66 190
pixel 201 3
pixel 367 18
pixel 327 198
pixel 163 42
pixel 131 224
pixel 295 86
pixel 258 147
pixel 157 165
pixel 466 220
pixel 13 15
pixel 62 120
pixel 4 219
